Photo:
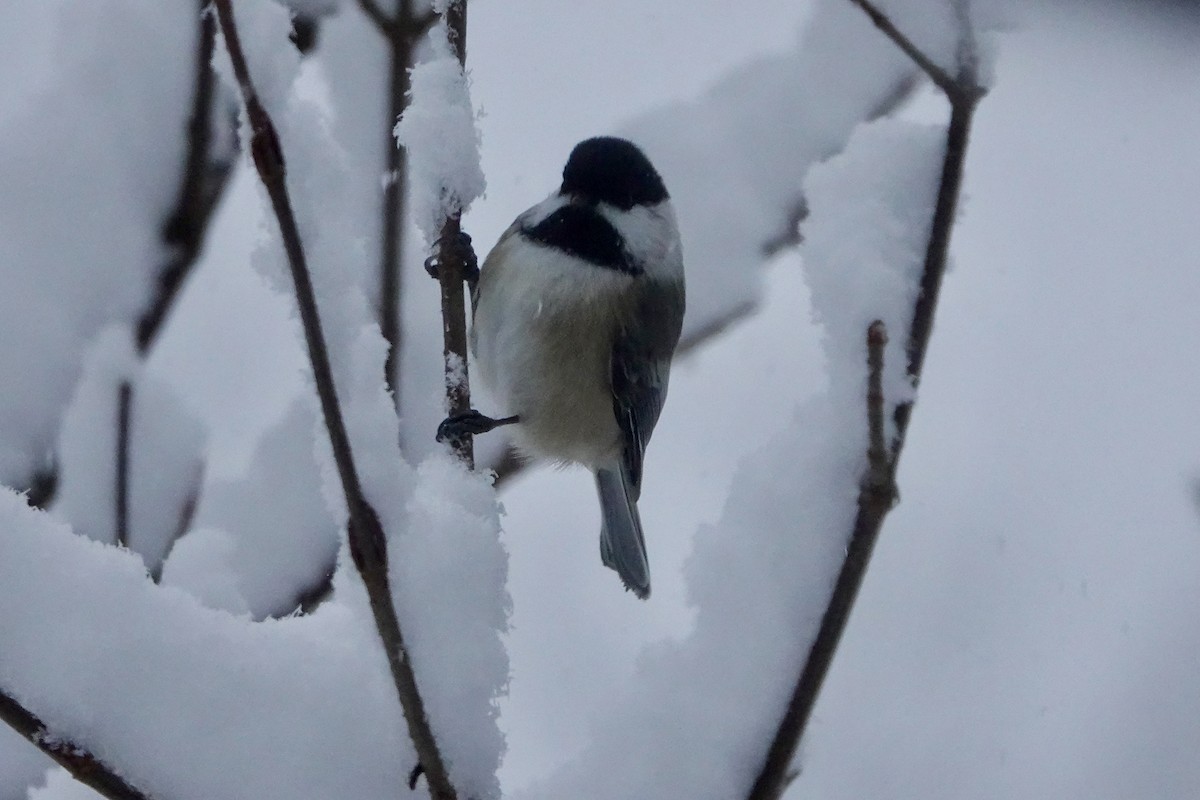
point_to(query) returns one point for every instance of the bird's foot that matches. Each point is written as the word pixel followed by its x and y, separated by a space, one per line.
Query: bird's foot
pixel 472 423
pixel 459 248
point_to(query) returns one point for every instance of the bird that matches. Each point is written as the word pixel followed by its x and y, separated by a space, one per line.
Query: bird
pixel 577 312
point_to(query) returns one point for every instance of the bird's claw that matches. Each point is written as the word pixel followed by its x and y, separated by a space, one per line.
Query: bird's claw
pixel 458 246
pixel 470 423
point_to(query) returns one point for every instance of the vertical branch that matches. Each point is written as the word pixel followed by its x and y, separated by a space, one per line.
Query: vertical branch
pixel 400 33
pixel 121 484
pixel 392 228
pixel 877 490
pixel 452 273
pixel 368 544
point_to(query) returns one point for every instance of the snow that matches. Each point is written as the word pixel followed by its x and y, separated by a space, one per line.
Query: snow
pixel 864 251
pixel 166 690
pixel 89 135
pixel 265 538
pixel 439 134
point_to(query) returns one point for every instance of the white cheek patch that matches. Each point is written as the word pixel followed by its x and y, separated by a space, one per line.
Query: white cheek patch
pixel 651 237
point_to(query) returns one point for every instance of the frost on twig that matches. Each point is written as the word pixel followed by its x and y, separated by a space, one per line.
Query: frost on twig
pixel 877 493
pixel 368 543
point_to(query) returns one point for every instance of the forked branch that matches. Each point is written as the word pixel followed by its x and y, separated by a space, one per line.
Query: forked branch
pixel 368 544
pixel 877 492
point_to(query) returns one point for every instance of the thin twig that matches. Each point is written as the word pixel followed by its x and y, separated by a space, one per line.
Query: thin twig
pixel 452 272
pixel 203 182
pixel 368 544
pixel 877 491
pixel 121 484
pixel 82 765
pixel 936 74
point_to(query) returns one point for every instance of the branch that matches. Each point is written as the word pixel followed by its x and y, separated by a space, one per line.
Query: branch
pixel 368 544
pixel 121 484
pixel 877 491
pixel 204 181
pixel 451 259
pixel 954 88
pixel 83 766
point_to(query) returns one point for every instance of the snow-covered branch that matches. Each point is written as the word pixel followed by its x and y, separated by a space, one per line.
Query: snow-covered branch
pixel 877 492
pixel 438 130
pixel 368 543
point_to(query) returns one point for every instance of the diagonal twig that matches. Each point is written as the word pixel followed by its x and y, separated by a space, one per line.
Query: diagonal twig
pixel 82 765
pixel 946 82
pixel 368 544
pixel 877 492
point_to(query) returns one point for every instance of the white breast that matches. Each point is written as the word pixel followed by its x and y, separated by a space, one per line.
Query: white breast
pixel 542 338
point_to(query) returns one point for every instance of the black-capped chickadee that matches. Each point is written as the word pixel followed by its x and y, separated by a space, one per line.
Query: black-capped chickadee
pixel 577 313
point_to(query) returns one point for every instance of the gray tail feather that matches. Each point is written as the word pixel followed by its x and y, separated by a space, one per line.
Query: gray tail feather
pixel 622 545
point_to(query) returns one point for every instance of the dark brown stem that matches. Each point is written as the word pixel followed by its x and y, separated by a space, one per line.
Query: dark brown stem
pixel 957 137
pixel 121 484
pixel 394 195
pixel 877 490
pixel 368 544
pixel 82 765
pixel 204 180
pixel 452 272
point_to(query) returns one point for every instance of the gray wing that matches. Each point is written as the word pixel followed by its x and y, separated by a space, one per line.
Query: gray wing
pixel 641 367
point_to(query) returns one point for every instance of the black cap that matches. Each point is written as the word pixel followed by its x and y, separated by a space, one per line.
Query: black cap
pixel 612 170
